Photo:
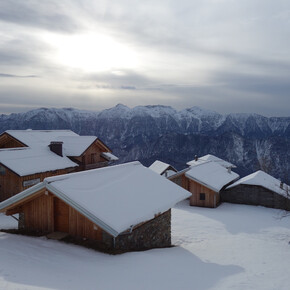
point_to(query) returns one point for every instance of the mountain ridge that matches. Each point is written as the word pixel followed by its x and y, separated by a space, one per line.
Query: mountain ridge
pixel 161 132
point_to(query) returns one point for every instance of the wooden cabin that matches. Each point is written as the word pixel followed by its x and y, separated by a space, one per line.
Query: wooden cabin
pixel 11 183
pixel 205 181
pixel 87 151
pixel 201 194
pixel 28 156
pixel 131 213
pixel 163 168
pixel 21 168
pixel 258 188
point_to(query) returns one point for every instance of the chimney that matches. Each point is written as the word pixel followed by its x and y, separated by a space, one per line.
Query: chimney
pixel 229 169
pixel 195 158
pixel 56 147
pixel 281 184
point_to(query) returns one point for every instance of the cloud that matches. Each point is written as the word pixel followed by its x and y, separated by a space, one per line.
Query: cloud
pixel 22 50
pixel 223 55
pixel 50 15
pixel 110 87
pixel 16 76
pixel 128 88
pixel 124 79
pixel 251 83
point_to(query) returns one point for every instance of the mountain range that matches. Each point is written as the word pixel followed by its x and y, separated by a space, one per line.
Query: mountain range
pixel 147 133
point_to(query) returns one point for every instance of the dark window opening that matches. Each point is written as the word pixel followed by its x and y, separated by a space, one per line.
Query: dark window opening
pixel 202 196
pixel 93 158
pixel 2 170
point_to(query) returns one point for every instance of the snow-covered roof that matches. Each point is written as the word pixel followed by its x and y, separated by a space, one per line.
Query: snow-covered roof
pixel 209 157
pixel 75 145
pixel 37 157
pixel 160 167
pixel 27 161
pixel 211 175
pixel 169 173
pixel 36 138
pixel 116 198
pixel 109 156
pixel 265 180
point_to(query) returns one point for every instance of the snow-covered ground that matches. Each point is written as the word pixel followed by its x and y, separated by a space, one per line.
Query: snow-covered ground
pixel 230 247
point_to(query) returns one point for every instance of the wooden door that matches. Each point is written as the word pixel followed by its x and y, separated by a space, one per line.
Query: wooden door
pixel 61 216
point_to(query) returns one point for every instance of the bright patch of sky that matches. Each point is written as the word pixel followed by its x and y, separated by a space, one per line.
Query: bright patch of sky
pixel 224 55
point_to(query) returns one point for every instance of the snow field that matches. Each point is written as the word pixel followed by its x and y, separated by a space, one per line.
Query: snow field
pixel 252 238
pixel 230 247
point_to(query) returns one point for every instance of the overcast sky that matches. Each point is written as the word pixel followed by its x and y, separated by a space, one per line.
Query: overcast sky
pixel 223 55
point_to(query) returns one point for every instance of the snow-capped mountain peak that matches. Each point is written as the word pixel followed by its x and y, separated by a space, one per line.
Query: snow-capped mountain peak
pixel 147 133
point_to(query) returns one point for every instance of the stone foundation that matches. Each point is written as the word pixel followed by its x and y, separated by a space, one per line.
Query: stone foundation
pixel 255 195
pixel 155 233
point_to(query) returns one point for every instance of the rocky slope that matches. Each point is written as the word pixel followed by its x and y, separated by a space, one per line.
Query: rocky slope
pixel 148 133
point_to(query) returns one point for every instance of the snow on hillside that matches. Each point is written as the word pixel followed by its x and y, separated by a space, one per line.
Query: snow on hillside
pixel 52 114
pixel 124 112
pixel 230 247
pixel 155 111
pixel 199 112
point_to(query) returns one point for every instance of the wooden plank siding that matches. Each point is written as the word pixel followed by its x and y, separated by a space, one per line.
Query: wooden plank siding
pixel 61 216
pixel 212 198
pixel 38 214
pixel 91 158
pixel 7 141
pixel 11 183
pixel 46 213
pixel 80 226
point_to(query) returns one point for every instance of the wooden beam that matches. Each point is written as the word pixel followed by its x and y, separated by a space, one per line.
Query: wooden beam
pixel 24 200
pixel 13 211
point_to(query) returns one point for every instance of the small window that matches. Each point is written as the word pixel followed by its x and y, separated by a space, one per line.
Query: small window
pixel 93 158
pixel 2 170
pixel 202 196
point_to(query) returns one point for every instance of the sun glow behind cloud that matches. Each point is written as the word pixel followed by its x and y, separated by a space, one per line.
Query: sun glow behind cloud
pixel 220 54
pixel 91 52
